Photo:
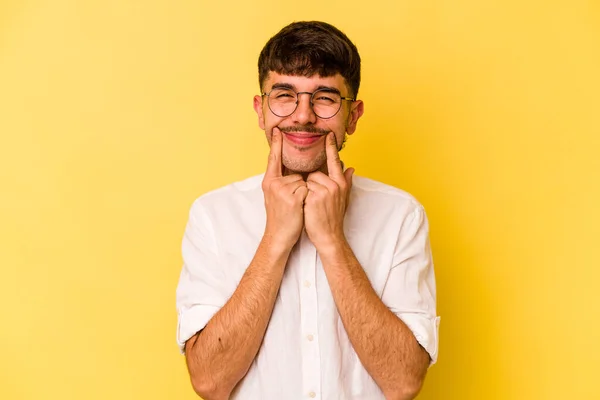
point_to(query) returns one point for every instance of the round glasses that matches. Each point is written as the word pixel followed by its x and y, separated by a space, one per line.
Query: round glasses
pixel 325 103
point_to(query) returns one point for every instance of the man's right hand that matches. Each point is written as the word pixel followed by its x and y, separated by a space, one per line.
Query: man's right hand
pixel 284 198
pixel 219 356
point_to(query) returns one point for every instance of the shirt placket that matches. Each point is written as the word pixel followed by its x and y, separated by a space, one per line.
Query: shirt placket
pixel 311 359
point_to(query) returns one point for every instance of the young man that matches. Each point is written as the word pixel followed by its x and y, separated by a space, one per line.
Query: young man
pixel 307 282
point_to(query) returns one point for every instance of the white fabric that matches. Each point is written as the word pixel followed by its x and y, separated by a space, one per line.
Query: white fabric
pixel 306 353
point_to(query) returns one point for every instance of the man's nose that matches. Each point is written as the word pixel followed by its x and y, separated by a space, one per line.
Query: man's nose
pixel 304 113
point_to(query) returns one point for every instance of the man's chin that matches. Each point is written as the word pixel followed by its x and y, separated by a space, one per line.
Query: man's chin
pixel 299 166
pixel 300 169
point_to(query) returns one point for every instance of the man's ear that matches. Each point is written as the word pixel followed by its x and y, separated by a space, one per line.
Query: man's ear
pixel 258 107
pixel 357 109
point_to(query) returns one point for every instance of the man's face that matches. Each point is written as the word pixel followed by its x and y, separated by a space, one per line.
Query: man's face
pixel 303 132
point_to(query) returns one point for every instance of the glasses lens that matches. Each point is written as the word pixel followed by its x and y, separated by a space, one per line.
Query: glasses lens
pixel 282 102
pixel 326 103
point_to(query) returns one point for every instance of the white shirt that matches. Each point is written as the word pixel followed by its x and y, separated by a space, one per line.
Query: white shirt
pixel 306 353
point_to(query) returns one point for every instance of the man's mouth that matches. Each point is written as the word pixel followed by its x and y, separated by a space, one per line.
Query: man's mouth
pixel 302 138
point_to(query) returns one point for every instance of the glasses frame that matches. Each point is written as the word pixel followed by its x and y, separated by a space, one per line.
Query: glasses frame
pixel 312 94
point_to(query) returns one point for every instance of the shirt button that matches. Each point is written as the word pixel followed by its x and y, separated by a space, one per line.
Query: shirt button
pixel 306 284
pixel 310 339
pixel 312 394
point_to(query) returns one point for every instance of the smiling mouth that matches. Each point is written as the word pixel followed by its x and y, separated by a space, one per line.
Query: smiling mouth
pixel 302 139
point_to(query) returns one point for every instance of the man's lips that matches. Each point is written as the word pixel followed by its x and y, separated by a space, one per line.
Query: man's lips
pixel 303 139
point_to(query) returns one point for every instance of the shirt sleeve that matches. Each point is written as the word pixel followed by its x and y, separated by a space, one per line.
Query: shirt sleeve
pixel 201 291
pixel 410 290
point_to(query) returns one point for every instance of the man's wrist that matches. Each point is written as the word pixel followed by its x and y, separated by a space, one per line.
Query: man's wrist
pixel 333 249
pixel 274 247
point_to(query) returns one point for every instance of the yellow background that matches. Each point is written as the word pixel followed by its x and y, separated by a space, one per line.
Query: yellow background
pixel 115 115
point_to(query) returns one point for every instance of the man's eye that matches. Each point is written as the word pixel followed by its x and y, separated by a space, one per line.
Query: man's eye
pixel 283 95
pixel 324 98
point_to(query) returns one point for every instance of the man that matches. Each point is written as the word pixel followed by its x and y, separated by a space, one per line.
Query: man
pixel 307 282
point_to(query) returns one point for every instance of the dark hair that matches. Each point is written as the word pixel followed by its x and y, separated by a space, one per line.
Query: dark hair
pixel 308 48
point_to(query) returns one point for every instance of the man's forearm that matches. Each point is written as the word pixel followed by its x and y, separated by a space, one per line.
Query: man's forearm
pixel 385 345
pixel 219 356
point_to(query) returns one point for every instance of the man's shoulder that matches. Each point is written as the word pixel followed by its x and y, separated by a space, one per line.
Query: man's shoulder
pixel 230 194
pixel 383 193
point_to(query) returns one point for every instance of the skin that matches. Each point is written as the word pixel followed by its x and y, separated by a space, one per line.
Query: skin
pixel 306 159
pixel 305 187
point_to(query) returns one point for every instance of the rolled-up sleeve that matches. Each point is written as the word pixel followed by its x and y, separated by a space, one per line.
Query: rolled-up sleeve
pixel 201 290
pixel 410 290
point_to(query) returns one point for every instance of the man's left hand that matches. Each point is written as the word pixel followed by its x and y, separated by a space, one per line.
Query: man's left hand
pixel 327 200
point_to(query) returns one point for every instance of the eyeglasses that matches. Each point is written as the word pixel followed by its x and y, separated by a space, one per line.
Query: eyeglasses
pixel 325 103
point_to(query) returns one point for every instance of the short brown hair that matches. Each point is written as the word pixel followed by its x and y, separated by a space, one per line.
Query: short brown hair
pixel 308 48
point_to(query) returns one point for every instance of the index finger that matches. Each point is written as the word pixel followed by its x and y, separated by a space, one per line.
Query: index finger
pixel 274 163
pixel 334 165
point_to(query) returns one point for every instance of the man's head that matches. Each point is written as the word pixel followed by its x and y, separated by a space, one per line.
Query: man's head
pixel 305 57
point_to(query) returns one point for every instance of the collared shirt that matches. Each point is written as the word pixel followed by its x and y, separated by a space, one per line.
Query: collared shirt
pixel 306 353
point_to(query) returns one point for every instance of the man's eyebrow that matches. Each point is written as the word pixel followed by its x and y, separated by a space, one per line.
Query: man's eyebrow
pixel 283 85
pixel 330 89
